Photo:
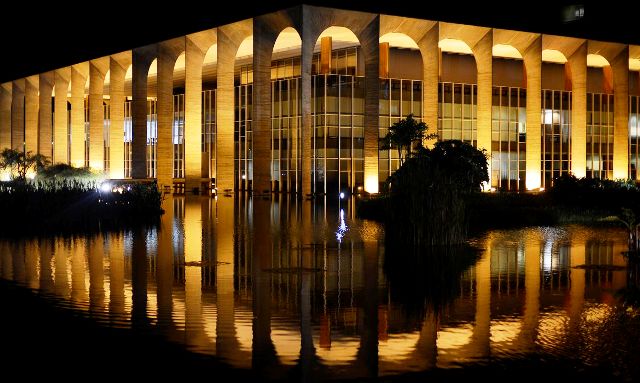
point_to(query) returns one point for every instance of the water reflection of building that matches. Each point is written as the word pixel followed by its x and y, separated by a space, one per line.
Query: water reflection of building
pixel 266 285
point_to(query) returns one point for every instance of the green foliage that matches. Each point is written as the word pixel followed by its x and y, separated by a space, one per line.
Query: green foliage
pixel 19 163
pixel 428 193
pixel 406 136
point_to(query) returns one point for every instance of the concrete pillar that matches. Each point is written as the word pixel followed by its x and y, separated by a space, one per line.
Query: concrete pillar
pixel 263 41
pixel 17 115
pixel 61 123
pixel 533 63
pixel 430 78
pixel 308 43
pixel 196 163
pixel 31 102
pixel 141 60
pixel 45 120
pixel 79 75
pixel 227 49
pixel 369 41
pixel 97 72
pixel 578 64
pixel 168 52
pixel 483 53
pixel 118 65
pixel 5 115
pixel 620 67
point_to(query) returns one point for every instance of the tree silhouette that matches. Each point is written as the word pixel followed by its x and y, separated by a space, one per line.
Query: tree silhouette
pixel 406 136
pixel 18 163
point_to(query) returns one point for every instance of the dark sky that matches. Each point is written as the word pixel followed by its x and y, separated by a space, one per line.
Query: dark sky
pixel 37 38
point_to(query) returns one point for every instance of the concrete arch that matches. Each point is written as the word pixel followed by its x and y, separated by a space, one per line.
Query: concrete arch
pixel 97 74
pixel 141 59
pixel 17 114
pixel 229 38
pixel 425 34
pixel 366 27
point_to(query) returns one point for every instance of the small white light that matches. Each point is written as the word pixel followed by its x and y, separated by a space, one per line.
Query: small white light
pixel 341 195
pixel 105 187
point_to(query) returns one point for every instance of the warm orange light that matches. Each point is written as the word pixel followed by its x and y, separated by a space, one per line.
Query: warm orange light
pixel 533 180
pixel 371 184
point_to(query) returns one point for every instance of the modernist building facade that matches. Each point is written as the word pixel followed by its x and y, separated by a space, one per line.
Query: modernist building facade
pixel 295 101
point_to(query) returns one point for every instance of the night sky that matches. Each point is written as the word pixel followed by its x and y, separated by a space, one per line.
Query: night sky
pixel 56 39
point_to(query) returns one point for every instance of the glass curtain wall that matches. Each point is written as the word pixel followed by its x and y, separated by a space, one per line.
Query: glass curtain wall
pixel 398 98
pixel 286 120
pixel 600 135
pixel 457 112
pixel 178 136
pixel 634 136
pixel 106 118
pixel 508 138
pixel 209 130
pixel 556 135
pixel 128 135
pixel 86 132
pixel 152 137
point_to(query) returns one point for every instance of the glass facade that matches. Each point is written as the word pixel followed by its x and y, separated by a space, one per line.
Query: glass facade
pixel 457 112
pixel 152 137
pixel 286 121
pixel 599 135
pixel 634 136
pixel 508 138
pixel 209 130
pixel 243 140
pixel 128 135
pixel 556 135
pixel 177 134
pixel 398 98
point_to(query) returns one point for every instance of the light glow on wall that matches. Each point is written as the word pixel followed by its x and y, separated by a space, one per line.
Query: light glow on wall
pixel 508 51
pixel 596 61
pixel 634 64
pixel 533 180
pixel 399 40
pixel 371 184
pixel 553 56
pixel 454 46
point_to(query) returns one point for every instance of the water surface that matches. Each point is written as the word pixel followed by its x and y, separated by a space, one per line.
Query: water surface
pixel 280 285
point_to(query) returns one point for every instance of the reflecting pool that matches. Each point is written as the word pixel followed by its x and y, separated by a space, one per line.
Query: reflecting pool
pixel 276 285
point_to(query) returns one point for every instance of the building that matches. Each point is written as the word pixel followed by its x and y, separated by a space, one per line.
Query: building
pixel 295 100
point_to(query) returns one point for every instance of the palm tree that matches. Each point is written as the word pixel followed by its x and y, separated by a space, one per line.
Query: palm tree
pixel 406 135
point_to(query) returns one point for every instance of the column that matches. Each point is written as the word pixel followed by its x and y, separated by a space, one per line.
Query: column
pixel 430 78
pixel 97 71
pixel 261 120
pixel 578 64
pixel 141 60
pixel 196 165
pixel 224 110
pixel 17 115
pixel 308 43
pixel 483 53
pixel 369 40
pixel 5 115
pixel 139 265
pixel 533 66
pixel 60 122
pixel 166 62
pixel 45 120
pixel 31 102
pixel 78 82
pixel 620 67
pixel 118 65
